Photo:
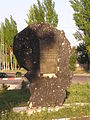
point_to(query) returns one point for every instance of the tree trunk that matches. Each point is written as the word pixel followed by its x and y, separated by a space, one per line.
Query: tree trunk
pixel 11 58
pixel 4 65
pixel 6 57
pixel 8 66
pixel 15 64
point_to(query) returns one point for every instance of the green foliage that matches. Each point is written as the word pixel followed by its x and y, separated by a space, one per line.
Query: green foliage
pixel 78 35
pixel 82 20
pixel 0 38
pixel 51 15
pixel 31 17
pixel 78 93
pixel 12 98
pixel 82 54
pixel 10 30
pixel 89 56
pixel 43 12
pixel 3 75
pixel 18 74
pixel 74 111
pixel 72 61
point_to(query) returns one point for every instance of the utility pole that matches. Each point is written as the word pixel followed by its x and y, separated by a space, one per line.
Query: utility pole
pixel 2 49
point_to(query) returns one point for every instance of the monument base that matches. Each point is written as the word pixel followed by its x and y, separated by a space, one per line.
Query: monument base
pixel 46 92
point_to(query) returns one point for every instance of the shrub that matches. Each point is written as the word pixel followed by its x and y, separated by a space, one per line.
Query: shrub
pixel 72 61
pixel 18 74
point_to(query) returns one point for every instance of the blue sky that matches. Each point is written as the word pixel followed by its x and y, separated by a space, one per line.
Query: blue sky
pixel 19 9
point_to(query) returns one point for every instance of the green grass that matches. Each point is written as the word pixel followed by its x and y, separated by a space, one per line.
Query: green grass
pixel 45 115
pixel 76 93
pixel 9 99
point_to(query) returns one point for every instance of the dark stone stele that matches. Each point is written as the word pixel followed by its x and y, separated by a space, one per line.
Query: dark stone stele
pixel 44 51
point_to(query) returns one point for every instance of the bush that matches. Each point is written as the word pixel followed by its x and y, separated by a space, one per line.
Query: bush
pixel 72 61
pixel 3 75
pixel 18 74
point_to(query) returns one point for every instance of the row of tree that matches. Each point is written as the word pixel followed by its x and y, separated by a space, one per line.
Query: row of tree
pixel 9 31
pixel 44 12
pixel 41 13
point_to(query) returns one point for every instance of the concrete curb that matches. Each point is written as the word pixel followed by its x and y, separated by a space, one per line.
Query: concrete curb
pixel 31 111
pixel 11 78
pixel 50 109
pixel 62 119
pixel 75 104
pixel 72 118
pixel 82 74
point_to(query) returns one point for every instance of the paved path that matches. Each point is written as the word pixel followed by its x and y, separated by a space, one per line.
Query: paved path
pixel 13 81
pixel 81 78
pixel 77 78
pixel 10 81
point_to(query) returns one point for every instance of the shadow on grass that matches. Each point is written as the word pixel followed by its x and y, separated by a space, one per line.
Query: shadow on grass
pixel 11 98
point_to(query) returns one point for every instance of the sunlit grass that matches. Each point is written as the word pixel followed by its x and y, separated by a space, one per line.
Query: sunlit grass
pixel 76 93
pixel 75 111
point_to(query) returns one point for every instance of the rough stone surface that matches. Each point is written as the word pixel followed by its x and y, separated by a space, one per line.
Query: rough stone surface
pixel 47 92
pixel 42 49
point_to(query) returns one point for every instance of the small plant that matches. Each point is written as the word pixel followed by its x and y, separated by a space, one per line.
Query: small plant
pixel 18 74
pixel 3 75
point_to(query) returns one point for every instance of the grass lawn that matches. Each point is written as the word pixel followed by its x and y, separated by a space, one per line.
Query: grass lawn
pixel 76 93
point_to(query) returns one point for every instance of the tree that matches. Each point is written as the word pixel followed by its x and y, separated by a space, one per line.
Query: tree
pixel 50 13
pixel 82 20
pixel 10 30
pixel 82 17
pixel 43 13
pixel 73 58
pixel 13 33
pixel 31 16
pixel 2 62
pixel 82 53
pixel 0 35
pixel 6 40
pixel 0 38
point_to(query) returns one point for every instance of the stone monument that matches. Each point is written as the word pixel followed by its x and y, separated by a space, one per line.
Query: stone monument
pixel 44 52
